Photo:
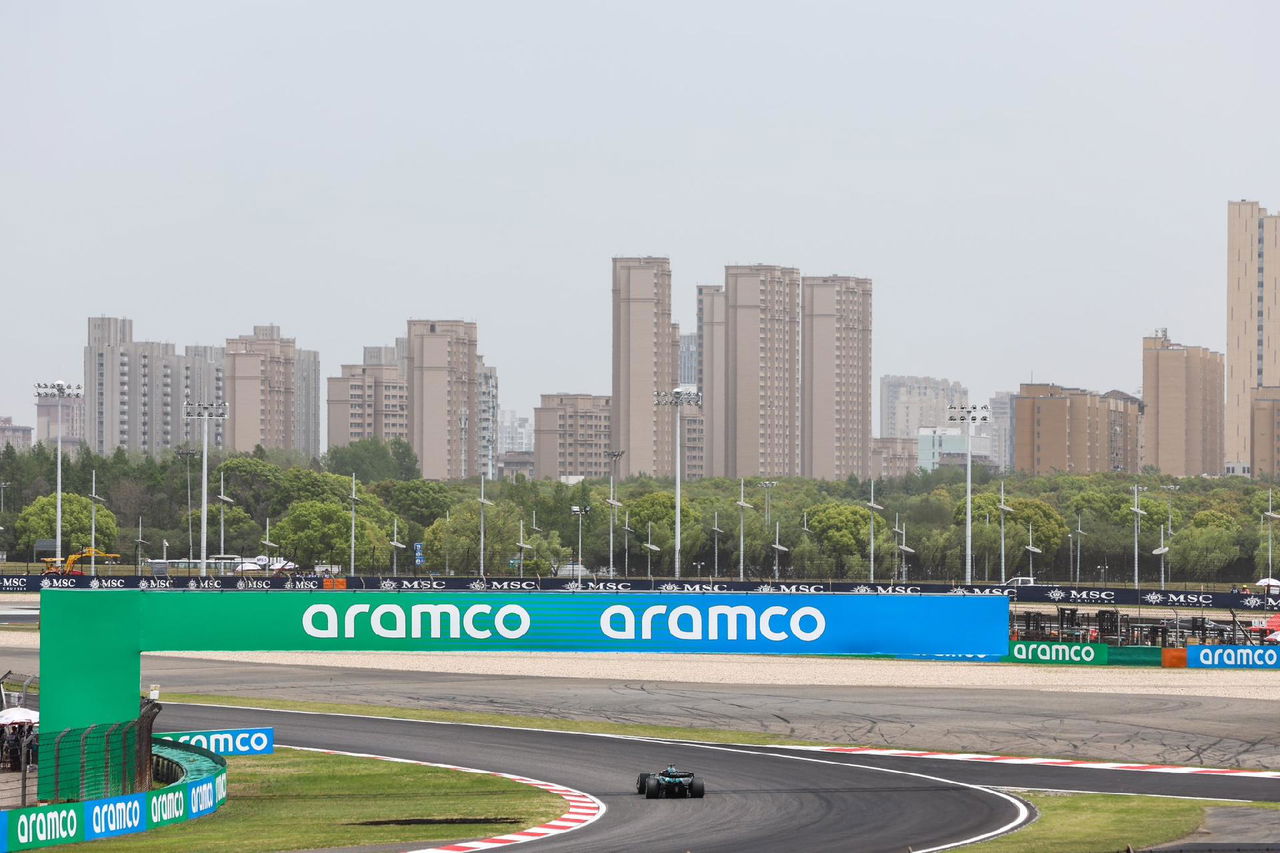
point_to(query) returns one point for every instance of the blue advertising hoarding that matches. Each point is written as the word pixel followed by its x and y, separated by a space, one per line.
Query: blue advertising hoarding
pixel 1233 657
pixel 228 741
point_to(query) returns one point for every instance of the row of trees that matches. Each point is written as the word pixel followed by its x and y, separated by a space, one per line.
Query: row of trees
pixel 1214 528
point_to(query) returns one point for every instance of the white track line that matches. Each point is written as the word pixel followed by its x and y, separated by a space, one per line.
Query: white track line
pixel 584 809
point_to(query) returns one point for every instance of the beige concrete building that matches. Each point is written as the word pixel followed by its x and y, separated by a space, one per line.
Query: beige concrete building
pixel 571 436
pixel 711 376
pixel 444 399
pixel 908 403
pixel 513 464
pixel 646 347
pixel 1182 393
pixel 369 400
pixel 134 390
pixel 761 424
pixel 18 436
pixel 1253 320
pixel 1264 428
pixel 73 423
pixel 835 413
pixel 893 457
pixel 694 443
pixel 273 394
pixel 1069 430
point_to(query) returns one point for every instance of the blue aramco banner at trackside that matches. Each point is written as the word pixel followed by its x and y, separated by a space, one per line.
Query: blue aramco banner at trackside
pixel 228 741
pixel 604 622
pixel 1233 657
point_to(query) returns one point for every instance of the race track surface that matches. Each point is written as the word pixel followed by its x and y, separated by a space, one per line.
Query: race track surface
pixel 756 800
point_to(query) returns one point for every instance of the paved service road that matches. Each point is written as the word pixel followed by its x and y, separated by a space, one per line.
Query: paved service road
pixel 756 801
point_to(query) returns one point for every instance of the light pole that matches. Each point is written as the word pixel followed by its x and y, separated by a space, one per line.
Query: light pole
pixel 1032 550
pixel 1080 534
pixel 969 416
pixel 1138 513
pixel 872 506
pixel 614 503
pixel 1160 552
pixel 396 545
pixel 903 551
pixel 186 454
pixel 522 545
pixel 61 391
pixel 223 500
pixel 1004 508
pixel 3 486
pixel 767 485
pixel 626 544
pixel 715 533
pixel 484 502
pixel 778 548
pixel 94 500
pixel 579 511
pixel 677 398
pixel 204 412
pixel 649 549
pixel 354 500
pixel 743 506
pixel 137 546
pixel 1271 515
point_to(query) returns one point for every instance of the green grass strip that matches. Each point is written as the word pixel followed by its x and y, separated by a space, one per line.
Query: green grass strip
pixel 1104 823
pixel 302 800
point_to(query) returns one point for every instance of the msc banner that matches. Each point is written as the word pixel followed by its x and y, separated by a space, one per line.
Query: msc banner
pixel 595 622
pixel 228 741
pixel 1233 657
pixel 1074 653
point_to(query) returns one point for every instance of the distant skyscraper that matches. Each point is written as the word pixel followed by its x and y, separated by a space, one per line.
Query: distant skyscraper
pixel 712 376
pixel 18 436
pixel 571 436
pixel 515 433
pixel 135 390
pixel 73 425
pixel 444 400
pixel 761 424
pixel 369 400
pixel 1183 419
pixel 487 377
pixel 836 377
pixel 910 402
pixel 1253 320
pixel 645 361
pixel 689 359
pixel 1001 430
pixel 273 393
pixel 1069 430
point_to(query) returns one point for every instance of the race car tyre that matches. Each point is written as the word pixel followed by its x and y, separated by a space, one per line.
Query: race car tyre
pixel 697 790
pixel 640 782
pixel 652 789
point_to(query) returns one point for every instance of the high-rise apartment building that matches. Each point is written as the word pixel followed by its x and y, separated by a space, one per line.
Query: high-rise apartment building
pixel 11 434
pixel 369 400
pixel 1253 320
pixel 645 361
pixel 1264 429
pixel 836 377
pixel 712 375
pixel 1001 430
pixel 515 433
pixel 1182 393
pixel 689 359
pixel 444 398
pixel 571 436
pixel 134 390
pixel 73 425
pixel 487 377
pixel 1069 430
pixel 893 457
pixel 693 445
pixel 910 402
pixel 761 424
pixel 273 393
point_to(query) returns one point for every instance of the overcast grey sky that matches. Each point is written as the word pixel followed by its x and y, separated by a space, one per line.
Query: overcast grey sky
pixel 1031 187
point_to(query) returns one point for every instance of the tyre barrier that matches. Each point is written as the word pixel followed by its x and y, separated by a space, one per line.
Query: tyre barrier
pixel 197 787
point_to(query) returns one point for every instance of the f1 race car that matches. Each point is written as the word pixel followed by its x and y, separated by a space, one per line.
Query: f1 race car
pixel 669 783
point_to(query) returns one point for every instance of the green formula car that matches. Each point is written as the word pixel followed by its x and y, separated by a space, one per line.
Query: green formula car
pixel 670 783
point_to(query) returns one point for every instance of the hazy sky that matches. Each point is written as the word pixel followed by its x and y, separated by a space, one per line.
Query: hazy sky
pixel 1031 188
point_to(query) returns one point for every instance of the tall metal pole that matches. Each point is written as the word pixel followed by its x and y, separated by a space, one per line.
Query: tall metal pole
pixel 352 564
pixel 676 554
pixel 58 552
pixel 614 503
pixel 204 412
pixel 743 506
pixel 715 532
pixel 677 398
pixel 968 416
pixel 873 506
pixel 1004 508
pixel 484 502
pixel 1137 520
pixel 222 512
pixel 59 391
pixel 93 524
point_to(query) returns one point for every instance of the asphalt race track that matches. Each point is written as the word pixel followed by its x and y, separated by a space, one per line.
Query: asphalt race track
pixel 756 800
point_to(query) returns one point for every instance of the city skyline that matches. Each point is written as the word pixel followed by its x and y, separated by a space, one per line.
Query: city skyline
pixel 925 181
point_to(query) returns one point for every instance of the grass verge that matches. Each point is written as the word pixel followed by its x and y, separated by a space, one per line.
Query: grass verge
pixel 301 800
pixel 515 721
pixel 1104 823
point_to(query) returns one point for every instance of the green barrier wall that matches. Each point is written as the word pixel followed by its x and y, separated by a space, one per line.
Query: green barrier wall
pixel 1136 656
